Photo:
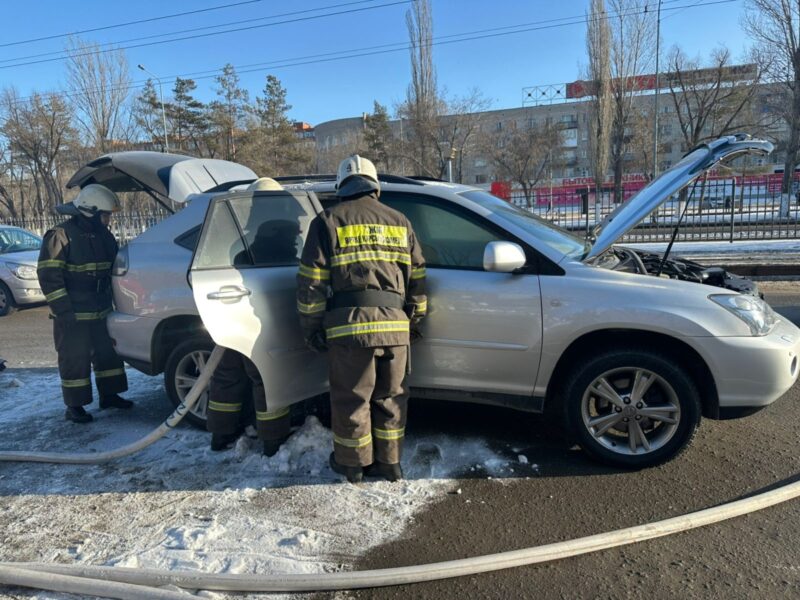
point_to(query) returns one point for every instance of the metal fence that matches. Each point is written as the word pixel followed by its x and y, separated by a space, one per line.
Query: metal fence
pixel 125 225
pixel 718 209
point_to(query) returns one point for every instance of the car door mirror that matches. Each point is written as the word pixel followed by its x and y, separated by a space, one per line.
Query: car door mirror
pixel 503 257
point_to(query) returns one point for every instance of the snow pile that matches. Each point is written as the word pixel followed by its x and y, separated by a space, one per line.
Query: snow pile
pixel 177 505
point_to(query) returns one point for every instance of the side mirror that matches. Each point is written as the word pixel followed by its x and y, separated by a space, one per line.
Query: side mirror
pixel 503 257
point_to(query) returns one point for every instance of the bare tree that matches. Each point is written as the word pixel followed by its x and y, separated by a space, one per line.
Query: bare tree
pixel 598 46
pixel 714 100
pixel 38 130
pixel 632 42
pixel 459 131
pixel 99 84
pixel 775 27
pixel 422 106
pixel 525 154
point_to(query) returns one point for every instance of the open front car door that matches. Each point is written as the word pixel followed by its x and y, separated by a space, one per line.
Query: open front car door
pixel 243 281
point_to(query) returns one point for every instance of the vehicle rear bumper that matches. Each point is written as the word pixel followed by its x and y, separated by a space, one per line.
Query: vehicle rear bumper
pixel 133 336
pixel 752 371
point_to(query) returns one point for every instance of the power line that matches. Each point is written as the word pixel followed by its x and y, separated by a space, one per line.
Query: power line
pixel 128 23
pixel 396 47
pixel 64 54
pixel 213 33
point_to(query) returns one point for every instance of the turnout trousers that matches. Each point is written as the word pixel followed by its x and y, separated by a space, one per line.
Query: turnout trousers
pixel 81 346
pixel 368 403
pixel 232 384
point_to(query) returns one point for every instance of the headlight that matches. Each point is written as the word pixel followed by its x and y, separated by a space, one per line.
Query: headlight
pixel 22 271
pixel 758 315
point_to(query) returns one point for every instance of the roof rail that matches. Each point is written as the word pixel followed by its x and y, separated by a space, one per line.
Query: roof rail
pixel 382 177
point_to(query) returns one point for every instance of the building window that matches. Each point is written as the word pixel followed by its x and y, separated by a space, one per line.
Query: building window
pixel 480 178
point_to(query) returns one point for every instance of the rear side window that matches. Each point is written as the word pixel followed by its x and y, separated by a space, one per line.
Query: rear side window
pixel 266 229
pixel 274 226
pixel 222 242
pixel 189 239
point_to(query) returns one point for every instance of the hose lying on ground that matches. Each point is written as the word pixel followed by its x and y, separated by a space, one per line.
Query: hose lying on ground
pixel 159 432
pixel 418 573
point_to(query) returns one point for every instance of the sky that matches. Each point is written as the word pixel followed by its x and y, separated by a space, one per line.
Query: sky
pixel 320 89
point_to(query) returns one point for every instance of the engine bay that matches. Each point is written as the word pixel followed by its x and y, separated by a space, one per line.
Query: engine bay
pixel 620 258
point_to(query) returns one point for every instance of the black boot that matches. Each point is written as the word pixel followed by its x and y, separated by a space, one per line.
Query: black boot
pixel 114 401
pixel 390 472
pixel 223 441
pixel 76 414
pixel 271 447
pixel 353 474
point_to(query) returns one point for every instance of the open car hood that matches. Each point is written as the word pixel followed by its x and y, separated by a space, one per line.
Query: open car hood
pixel 629 214
pixel 172 176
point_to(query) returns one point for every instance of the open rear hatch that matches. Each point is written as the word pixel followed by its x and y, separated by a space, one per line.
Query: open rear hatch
pixel 163 176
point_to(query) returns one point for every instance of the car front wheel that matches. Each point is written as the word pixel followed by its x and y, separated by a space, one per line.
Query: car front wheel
pixel 184 365
pixel 632 408
pixel 7 305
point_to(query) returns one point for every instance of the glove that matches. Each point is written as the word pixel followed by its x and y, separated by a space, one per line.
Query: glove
pixel 317 342
pixel 415 335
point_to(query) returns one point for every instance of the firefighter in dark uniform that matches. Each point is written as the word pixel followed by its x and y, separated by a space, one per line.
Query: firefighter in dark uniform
pixel 236 379
pixel 361 295
pixel 74 269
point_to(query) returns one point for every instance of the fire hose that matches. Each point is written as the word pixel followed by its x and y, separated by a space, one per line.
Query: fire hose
pixel 143 584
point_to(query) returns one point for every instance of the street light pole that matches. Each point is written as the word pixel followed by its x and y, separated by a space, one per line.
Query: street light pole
pixel 655 119
pixel 163 112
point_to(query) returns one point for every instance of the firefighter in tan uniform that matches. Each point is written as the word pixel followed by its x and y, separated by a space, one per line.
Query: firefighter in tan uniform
pixel 361 295
pixel 236 379
pixel 74 270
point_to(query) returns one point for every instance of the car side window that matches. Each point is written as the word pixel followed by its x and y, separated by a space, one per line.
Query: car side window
pixel 449 239
pixel 189 239
pixel 274 226
pixel 221 243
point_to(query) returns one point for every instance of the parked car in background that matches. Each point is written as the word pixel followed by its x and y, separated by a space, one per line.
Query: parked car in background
pixel 19 255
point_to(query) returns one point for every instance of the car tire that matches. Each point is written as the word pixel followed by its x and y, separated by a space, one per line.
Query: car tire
pixel 182 368
pixel 7 304
pixel 631 408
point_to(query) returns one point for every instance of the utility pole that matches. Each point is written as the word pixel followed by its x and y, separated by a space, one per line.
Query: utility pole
pixel 163 112
pixel 655 116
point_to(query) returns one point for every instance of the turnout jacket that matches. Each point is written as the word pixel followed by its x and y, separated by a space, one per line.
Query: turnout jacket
pixel 359 245
pixel 75 269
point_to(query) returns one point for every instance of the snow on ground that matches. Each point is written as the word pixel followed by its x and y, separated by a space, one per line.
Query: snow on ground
pixel 177 505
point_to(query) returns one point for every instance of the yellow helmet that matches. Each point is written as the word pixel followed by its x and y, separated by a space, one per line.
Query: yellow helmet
pixel 265 184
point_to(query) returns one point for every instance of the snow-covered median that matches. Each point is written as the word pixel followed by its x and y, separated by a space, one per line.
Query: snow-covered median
pixel 177 505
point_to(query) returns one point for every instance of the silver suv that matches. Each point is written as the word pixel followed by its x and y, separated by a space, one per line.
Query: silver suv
pixel 521 314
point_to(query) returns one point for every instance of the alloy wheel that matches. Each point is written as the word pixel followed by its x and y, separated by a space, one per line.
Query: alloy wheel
pixel 189 369
pixel 631 410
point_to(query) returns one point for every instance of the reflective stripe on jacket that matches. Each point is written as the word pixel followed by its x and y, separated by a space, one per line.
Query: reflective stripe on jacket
pixel 360 244
pixel 75 269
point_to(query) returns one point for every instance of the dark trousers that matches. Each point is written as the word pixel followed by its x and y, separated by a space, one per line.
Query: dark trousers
pixel 369 403
pixel 81 346
pixel 232 384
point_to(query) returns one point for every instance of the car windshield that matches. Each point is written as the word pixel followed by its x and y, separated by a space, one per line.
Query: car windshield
pixel 13 239
pixel 549 234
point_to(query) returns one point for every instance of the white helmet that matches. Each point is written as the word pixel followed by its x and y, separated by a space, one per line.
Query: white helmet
pixel 96 198
pixel 356 176
pixel 265 184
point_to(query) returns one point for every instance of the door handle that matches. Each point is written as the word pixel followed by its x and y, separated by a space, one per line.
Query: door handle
pixel 229 292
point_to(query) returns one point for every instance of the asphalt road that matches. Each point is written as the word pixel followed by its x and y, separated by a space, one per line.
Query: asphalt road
pixel 561 495
pixel 567 496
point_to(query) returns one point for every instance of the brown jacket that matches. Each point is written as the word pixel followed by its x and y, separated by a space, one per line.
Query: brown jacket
pixel 361 244
pixel 75 269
